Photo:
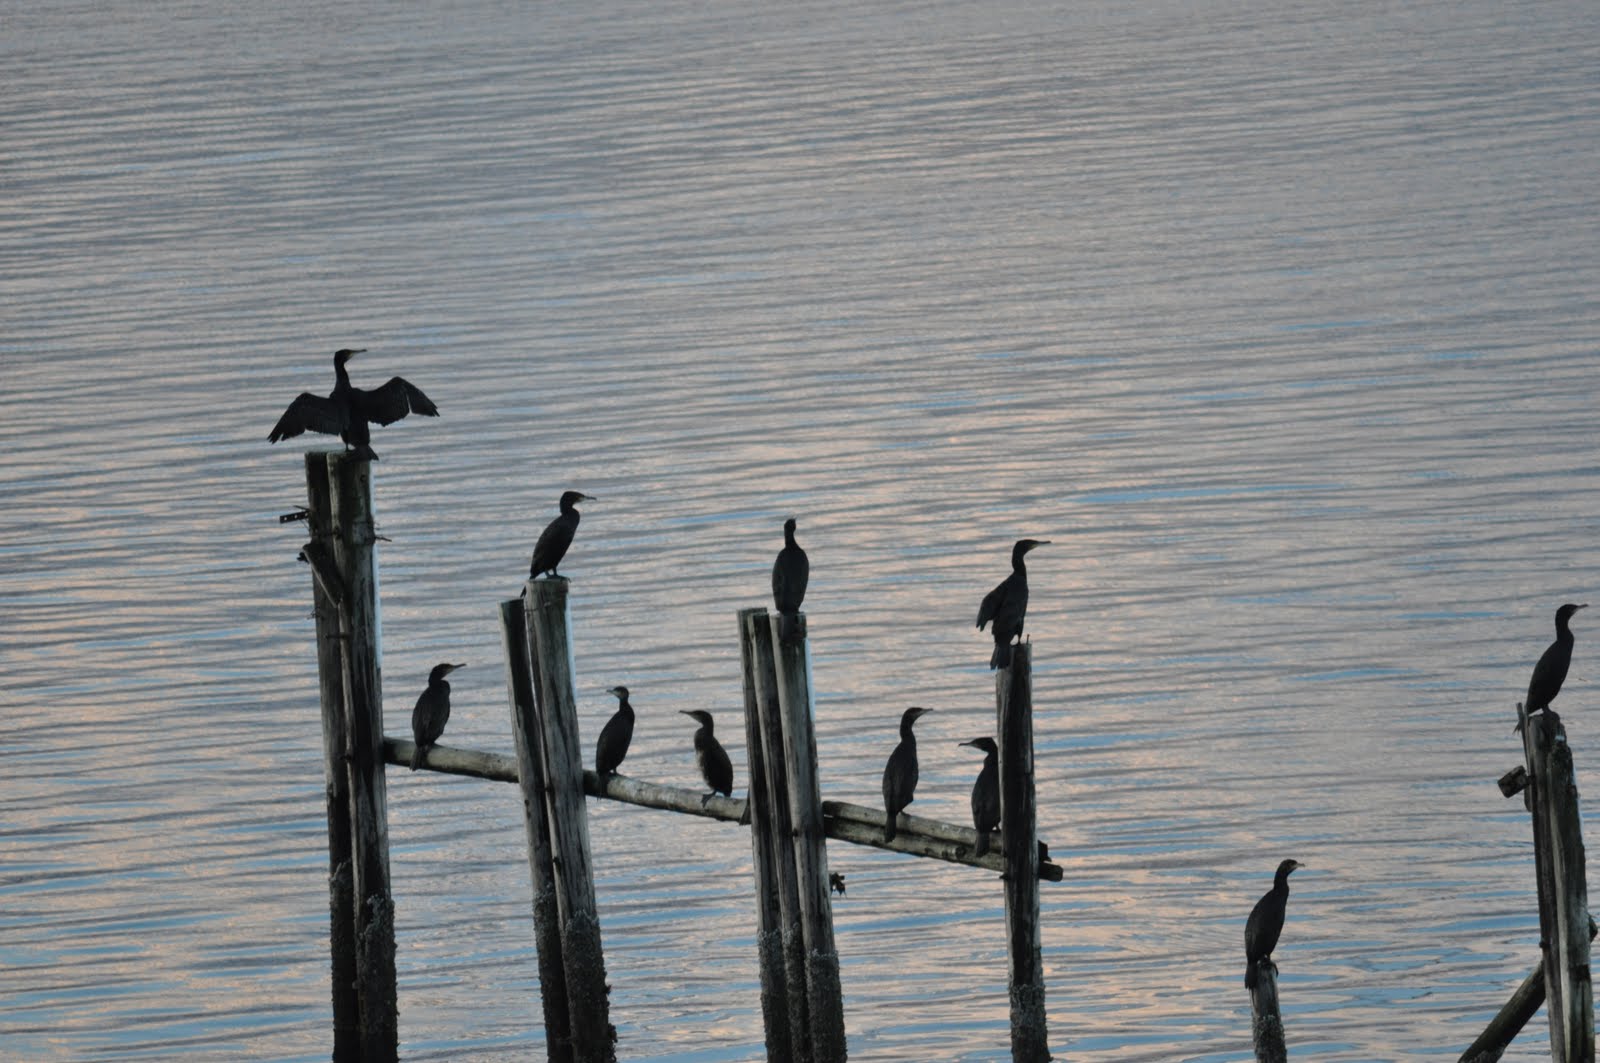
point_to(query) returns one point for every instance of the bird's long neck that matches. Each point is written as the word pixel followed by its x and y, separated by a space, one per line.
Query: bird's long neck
pixel 570 509
pixel 905 734
pixel 788 538
pixel 1017 563
pixel 624 707
pixel 341 375
pixel 1280 884
pixel 441 685
pixel 1563 632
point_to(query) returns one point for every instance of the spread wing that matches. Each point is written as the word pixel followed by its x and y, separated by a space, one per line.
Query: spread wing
pixel 991 605
pixel 393 401
pixel 311 413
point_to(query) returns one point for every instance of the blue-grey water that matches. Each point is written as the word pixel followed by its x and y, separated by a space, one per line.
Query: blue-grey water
pixel 1278 318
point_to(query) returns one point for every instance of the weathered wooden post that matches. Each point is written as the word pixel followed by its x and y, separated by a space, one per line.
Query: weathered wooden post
pixel 550 635
pixel 766 844
pixel 530 771
pixel 1019 837
pixel 326 592
pixel 1266 1024
pixel 1512 1016
pixel 823 989
pixel 350 479
pixel 1552 799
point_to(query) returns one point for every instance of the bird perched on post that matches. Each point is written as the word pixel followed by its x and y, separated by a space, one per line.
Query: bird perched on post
pixel 348 410
pixel 715 767
pixel 986 793
pixel 900 773
pixel 1007 604
pixel 615 735
pixel 432 712
pixel 1266 923
pixel 1551 671
pixel 790 574
pixel 557 535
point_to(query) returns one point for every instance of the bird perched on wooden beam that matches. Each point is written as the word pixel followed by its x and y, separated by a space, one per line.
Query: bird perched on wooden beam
pixel 432 712
pixel 615 735
pixel 986 793
pixel 348 411
pixel 900 773
pixel 715 767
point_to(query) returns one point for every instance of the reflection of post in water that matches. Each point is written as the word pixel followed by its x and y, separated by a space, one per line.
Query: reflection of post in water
pixel 802 999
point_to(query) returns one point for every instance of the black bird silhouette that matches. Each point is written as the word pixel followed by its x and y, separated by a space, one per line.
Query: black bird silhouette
pixel 1007 604
pixel 615 735
pixel 1266 923
pixel 432 712
pixel 986 793
pixel 900 773
pixel 790 574
pixel 1551 671
pixel 348 410
pixel 715 767
pixel 557 535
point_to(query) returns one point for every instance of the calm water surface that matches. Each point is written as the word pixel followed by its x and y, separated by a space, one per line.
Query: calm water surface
pixel 1277 318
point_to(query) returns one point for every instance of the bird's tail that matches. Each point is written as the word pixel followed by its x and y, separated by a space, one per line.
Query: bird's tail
pixel 1001 657
pixel 788 628
pixel 889 828
pixel 983 843
pixel 366 452
pixel 1249 975
pixel 416 756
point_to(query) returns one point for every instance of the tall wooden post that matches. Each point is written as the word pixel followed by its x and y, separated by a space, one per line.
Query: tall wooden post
pixel 550 634
pixel 1552 798
pixel 350 479
pixel 823 990
pixel 1266 1024
pixel 766 844
pixel 530 772
pixel 1019 837
pixel 336 783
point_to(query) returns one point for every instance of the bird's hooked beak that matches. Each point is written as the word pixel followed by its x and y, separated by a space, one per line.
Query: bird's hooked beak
pixel 973 742
pixel 453 667
pixel 618 691
pixel 1038 543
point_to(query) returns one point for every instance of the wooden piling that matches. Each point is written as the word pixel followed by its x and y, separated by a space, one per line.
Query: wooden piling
pixel 350 482
pixel 530 773
pixel 335 778
pixel 1512 1016
pixel 758 630
pixel 1019 838
pixel 1266 1024
pixel 766 844
pixel 823 990
pixel 549 631
pixel 1552 799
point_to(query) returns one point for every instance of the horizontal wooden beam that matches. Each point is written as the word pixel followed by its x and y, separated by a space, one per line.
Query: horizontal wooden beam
pixel 842 821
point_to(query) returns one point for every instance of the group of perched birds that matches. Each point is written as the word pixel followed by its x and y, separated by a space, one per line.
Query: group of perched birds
pixel 349 411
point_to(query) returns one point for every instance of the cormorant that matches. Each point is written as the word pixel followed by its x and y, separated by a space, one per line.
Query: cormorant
pixel 1551 671
pixel 715 767
pixel 347 411
pixel 1007 604
pixel 836 883
pixel 790 574
pixel 615 735
pixel 986 793
pixel 900 774
pixel 432 712
pixel 1266 923
pixel 557 535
